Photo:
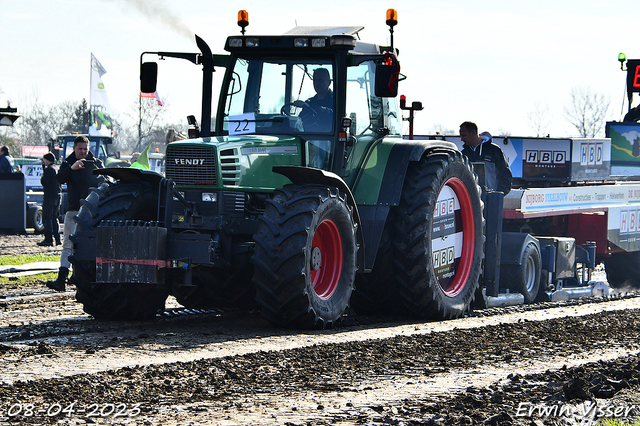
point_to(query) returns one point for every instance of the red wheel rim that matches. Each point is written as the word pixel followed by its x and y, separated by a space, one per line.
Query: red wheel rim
pixel 326 259
pixel 461 274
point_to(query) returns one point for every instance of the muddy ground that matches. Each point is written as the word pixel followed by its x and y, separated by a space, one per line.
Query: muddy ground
pixel 554 363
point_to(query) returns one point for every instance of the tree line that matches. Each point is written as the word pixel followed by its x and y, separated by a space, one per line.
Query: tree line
pixel 143 123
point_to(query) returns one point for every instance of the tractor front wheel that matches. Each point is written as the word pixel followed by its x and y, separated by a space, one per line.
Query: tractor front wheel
pixel 305 258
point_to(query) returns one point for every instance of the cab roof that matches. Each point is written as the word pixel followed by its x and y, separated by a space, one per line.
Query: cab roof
pixel 324 31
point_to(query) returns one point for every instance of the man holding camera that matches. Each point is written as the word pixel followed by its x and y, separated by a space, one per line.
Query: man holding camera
pixel 77 172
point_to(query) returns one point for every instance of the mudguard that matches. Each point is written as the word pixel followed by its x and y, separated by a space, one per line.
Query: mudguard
pixel 300 175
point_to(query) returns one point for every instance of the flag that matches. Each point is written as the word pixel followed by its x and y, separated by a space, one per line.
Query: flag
pixel 152 95
pixel 99 102
pixel 143 160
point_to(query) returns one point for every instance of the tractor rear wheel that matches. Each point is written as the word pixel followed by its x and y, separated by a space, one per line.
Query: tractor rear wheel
pixel 115 301
pixel 439 236
pixel 305 257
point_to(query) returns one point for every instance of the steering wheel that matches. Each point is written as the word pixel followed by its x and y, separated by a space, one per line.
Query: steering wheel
pixel 308 114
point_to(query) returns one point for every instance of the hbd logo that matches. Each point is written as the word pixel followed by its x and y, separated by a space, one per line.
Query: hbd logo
pixel 443 257
pixel 591 154
pixel 545 157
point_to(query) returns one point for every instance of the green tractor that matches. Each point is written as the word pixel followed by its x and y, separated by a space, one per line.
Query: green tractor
pixel 302 198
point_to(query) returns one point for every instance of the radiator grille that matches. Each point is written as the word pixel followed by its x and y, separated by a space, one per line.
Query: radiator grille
pixel 191 165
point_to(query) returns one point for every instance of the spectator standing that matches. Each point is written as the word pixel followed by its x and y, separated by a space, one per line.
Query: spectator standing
pixel 480 148
pixel 77 172
pixel 6 161
pixel 51 200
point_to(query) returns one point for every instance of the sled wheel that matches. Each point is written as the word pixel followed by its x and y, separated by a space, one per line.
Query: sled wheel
pixel 524 278
pixel 623 269
pixel 439 240
pixel 305 258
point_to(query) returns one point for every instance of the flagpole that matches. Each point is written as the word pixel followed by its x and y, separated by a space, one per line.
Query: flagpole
pixel 139 122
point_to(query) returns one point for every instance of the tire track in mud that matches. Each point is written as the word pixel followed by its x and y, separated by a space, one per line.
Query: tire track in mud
pixel 409 377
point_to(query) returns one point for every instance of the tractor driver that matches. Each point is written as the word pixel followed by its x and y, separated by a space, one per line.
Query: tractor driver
pixel 317 111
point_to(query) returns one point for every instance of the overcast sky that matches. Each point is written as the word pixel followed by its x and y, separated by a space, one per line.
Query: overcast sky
pixel 492 62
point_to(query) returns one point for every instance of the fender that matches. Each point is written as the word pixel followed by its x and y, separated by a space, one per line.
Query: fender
pixel 401 154
pixel 301 175
pixel 130 173
pixel 374 216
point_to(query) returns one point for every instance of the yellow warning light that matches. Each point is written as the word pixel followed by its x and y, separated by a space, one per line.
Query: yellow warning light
pixel 392 17
pixel 243 19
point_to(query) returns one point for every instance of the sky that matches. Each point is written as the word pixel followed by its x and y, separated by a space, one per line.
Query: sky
pixel 491 62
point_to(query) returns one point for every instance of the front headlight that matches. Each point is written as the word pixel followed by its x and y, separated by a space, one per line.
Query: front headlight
pixel 209 197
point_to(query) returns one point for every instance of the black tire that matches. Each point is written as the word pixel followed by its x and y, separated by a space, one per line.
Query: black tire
pixel 524 278
pixel 305 257
pixel 623 270
pixel 34 219
pixel 215 288
pixel 115 301
pixel 441 180
pixel 377 292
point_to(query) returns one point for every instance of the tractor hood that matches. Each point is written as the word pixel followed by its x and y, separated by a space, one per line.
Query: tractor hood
pixel 244 161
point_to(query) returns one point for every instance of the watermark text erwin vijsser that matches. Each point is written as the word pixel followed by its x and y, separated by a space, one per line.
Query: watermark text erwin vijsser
pixel 587 409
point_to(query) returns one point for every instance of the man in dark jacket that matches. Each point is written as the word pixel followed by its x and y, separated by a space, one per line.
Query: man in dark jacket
pixel 480 149
pixel 633 114
pixel 77 172
pixel 6 161
pixel 51 200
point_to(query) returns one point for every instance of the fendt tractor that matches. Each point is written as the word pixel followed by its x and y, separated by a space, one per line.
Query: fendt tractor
pixel 303 199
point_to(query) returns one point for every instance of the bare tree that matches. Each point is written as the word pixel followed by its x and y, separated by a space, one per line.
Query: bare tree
pixel 503 133
pixel 148 117
pixel 539 119
pixel 587 111
pixel 439 129
pixel 40 123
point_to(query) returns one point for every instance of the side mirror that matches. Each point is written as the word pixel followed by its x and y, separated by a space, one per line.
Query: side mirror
pixel 387 80
pixel 148 77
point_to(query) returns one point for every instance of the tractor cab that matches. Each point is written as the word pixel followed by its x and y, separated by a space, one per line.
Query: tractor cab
pixel 320 84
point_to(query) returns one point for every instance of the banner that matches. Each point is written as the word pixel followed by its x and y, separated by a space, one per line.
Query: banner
pixel 36 151
pixel 152 95
pixel 99 102
pixel 143 159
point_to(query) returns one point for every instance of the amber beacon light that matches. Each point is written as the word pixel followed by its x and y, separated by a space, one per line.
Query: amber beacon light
pixel 243 19
pixel 392 17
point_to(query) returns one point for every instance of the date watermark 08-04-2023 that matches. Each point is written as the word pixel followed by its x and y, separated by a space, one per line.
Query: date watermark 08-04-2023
pixel 587 413
pixel 120 410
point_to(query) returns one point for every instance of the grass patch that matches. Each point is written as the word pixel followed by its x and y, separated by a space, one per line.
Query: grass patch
pixel 39 279
pixel 29 279
pixel 617 422
pixel 31 258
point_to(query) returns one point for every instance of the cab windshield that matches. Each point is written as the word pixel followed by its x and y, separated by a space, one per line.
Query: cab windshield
pixel 280 97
